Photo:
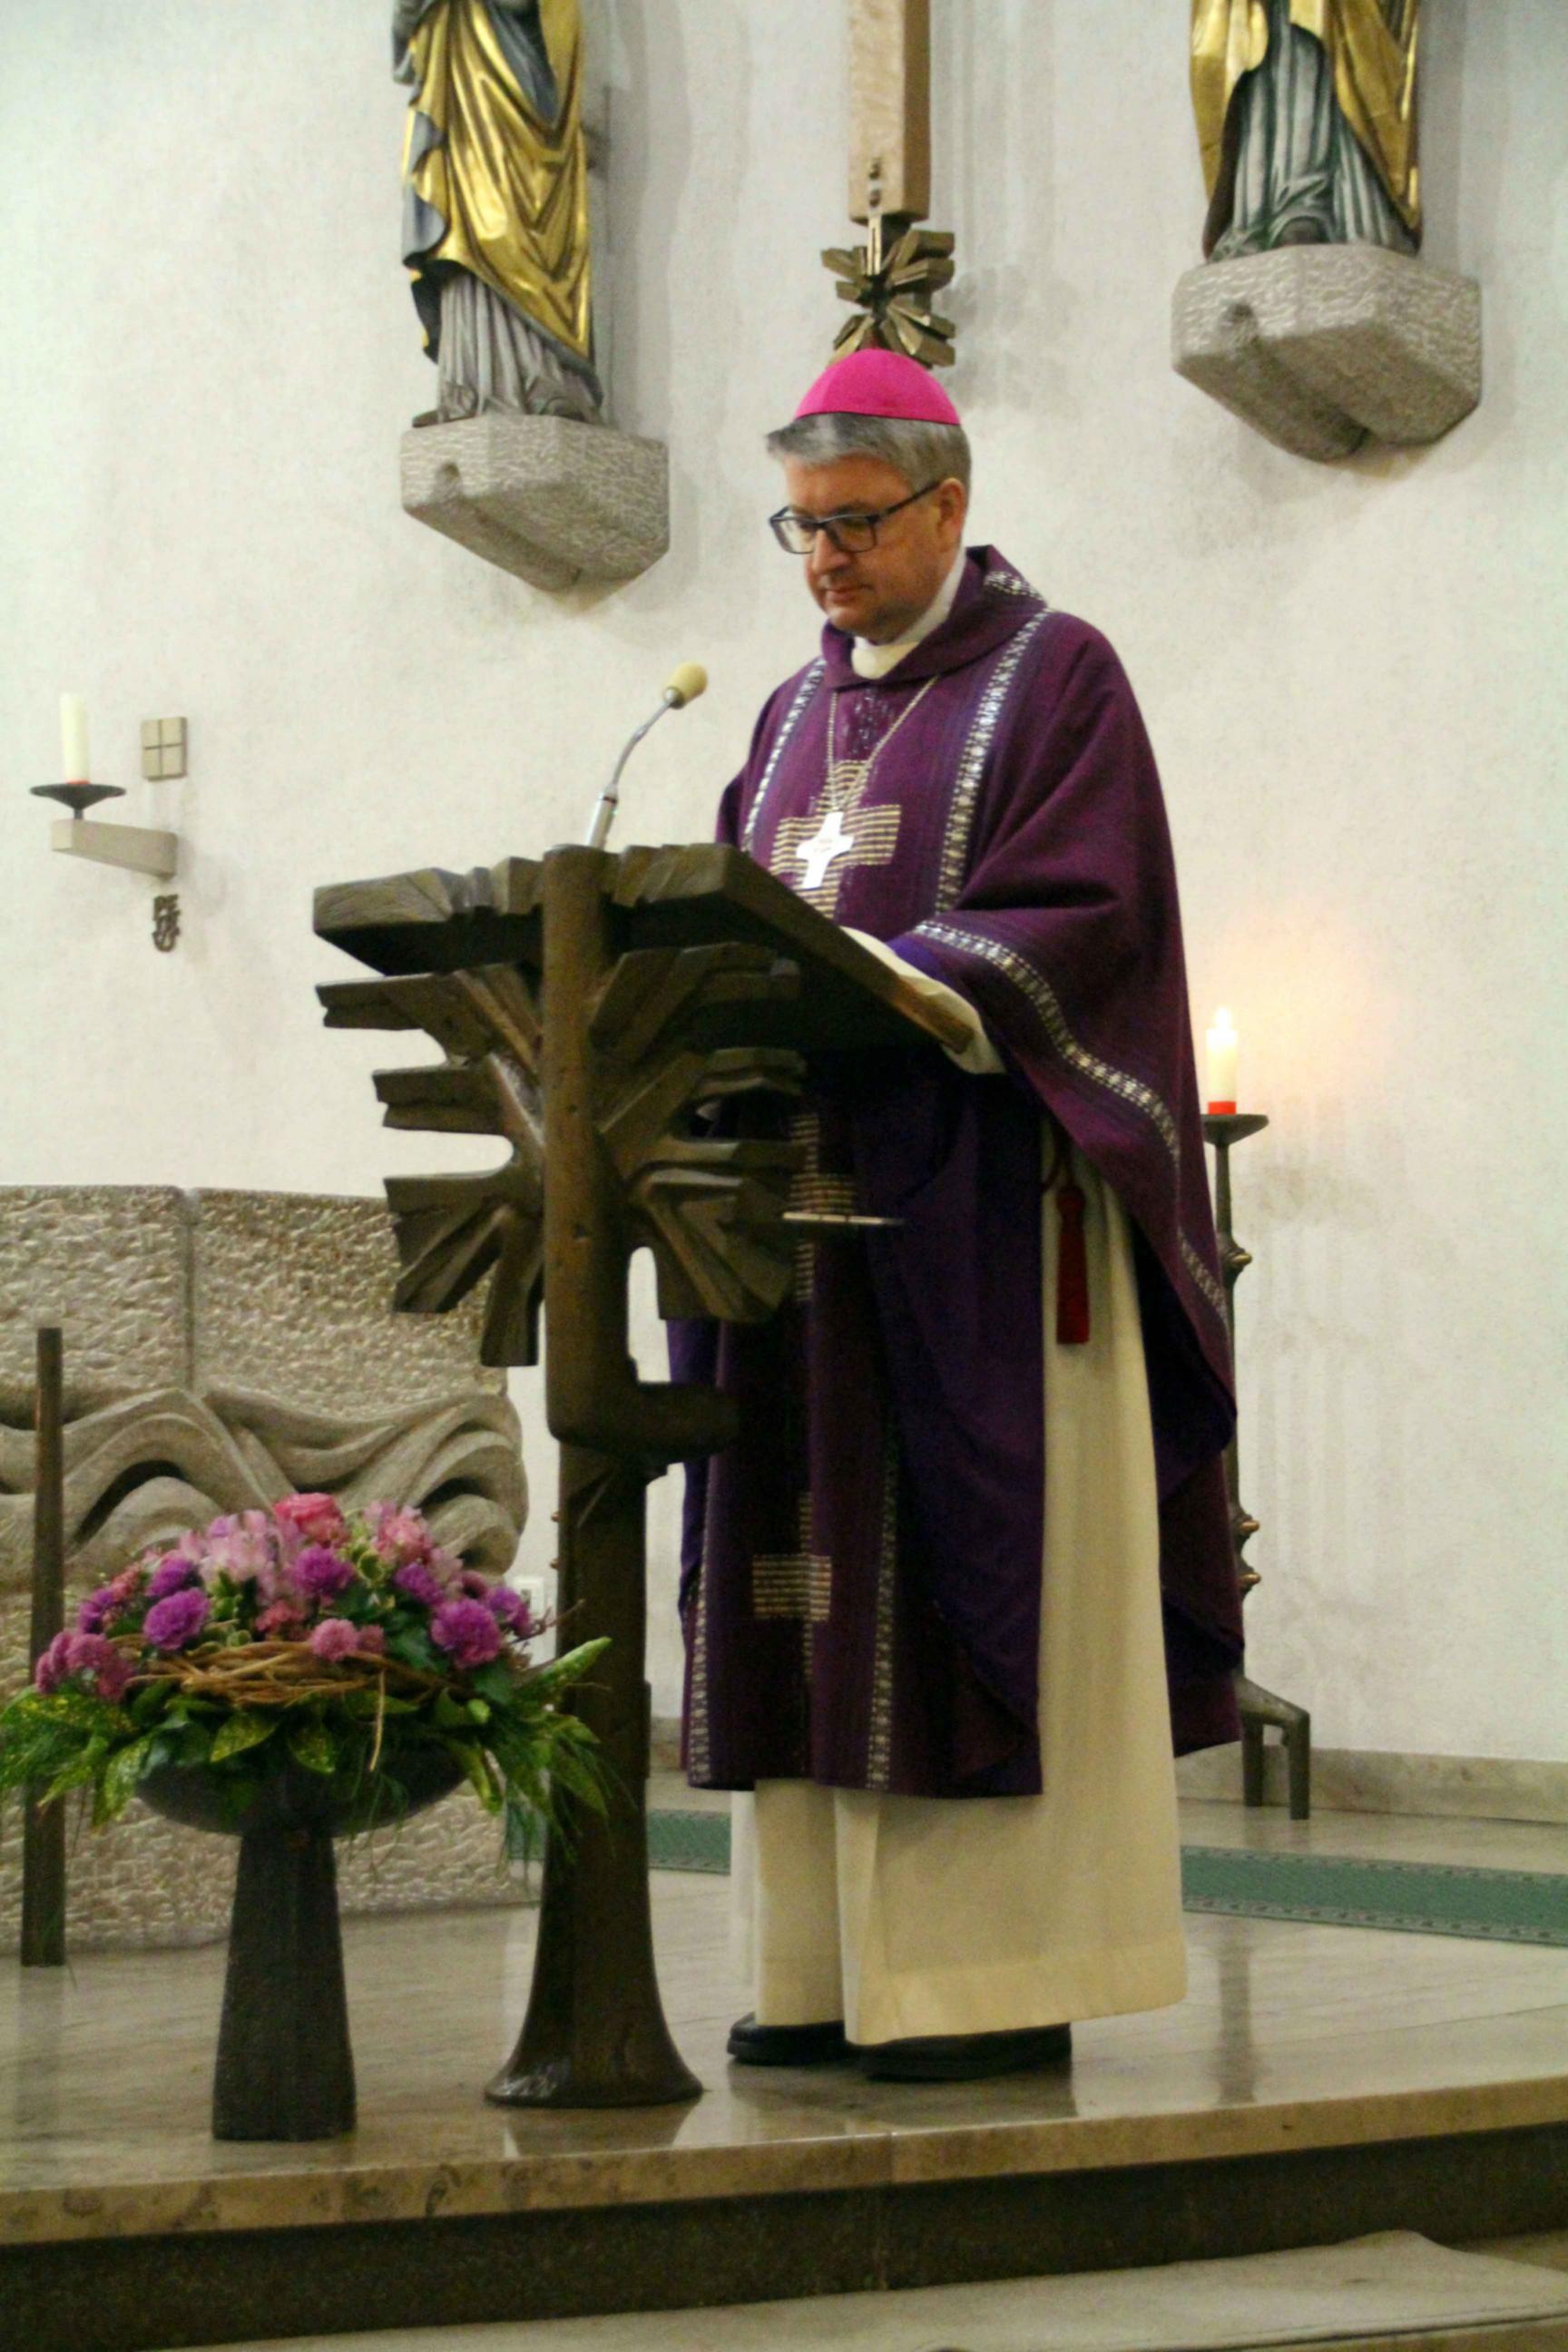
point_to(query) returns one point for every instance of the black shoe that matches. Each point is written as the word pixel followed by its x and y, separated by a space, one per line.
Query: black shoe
pixel 752 2044
pixel 963 2057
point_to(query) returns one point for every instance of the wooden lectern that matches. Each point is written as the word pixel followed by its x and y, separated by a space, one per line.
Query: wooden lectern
pixel 589 1007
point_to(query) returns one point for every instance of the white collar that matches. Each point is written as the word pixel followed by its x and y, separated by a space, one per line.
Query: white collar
pixel 870 660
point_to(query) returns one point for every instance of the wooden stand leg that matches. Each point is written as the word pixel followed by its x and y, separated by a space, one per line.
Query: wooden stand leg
pixel 594 2035
pixel 43 1943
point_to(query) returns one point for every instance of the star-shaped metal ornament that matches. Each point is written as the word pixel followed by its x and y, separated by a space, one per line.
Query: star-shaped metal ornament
pixel 892 281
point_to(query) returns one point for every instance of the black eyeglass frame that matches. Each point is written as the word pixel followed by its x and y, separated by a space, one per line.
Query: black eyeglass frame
pixel 779 523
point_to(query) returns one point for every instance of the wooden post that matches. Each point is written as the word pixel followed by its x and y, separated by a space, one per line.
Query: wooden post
pixel 889 108
pixel 594 2034
pixel 43 1832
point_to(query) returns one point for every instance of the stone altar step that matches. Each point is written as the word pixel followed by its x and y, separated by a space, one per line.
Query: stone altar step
pixel 1366 2295
pixel 1318 2083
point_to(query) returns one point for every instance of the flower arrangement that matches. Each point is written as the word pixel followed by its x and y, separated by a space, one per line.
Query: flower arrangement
pixel 302 1639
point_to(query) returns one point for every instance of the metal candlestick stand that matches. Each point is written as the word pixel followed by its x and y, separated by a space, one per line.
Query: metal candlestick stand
pixel 1259 1707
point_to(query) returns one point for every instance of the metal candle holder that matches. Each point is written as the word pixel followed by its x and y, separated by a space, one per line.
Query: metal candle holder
pixel 1258 1706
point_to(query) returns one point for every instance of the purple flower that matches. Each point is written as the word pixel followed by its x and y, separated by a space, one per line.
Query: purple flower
pixel 509 1608
pixel 416 1581
pixel 472 1582
pixel 171 1623
pixel 323 1574
pixel 172 1575
pixel 467 1630
pixel 98 1609
pixel 334 1637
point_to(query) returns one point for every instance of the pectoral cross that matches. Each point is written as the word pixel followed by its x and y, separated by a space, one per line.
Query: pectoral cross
pixel 824 847
pixel 817 855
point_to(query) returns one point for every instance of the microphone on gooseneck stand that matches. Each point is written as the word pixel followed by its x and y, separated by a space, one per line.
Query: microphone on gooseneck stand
pixel 684 685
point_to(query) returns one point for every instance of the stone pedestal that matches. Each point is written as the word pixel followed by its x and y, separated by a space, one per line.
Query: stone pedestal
pixel 553 501
pixel 1321 347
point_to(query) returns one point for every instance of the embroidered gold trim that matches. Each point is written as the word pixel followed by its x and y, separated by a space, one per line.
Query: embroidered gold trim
pixel 798 1584
pixel 793 717
pixel 1011 583
pixel 971 764
pixel 880 1746
pixel 1042 997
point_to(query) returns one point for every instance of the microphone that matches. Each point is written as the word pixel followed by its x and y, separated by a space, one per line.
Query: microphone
pixel 684 686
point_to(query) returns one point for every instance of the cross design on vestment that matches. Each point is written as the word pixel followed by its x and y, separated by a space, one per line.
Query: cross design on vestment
pixel 837 834
pixel 795 1585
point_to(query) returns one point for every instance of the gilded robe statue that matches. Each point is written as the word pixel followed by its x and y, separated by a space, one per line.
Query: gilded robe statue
pixel 496 202
pixel 1306 114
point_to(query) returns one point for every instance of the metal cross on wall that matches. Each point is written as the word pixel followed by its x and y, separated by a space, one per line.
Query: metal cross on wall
pixel 894 278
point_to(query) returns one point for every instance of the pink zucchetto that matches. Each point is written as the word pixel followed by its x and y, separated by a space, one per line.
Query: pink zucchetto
pixel 879 383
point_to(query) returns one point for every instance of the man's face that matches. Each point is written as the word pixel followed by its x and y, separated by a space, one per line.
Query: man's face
pixel 881 593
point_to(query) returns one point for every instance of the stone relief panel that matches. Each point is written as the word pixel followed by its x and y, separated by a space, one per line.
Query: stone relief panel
pixel 223 1350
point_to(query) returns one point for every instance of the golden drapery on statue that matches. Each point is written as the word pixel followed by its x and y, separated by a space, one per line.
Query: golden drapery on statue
pixel 1279 123
pixel 496 201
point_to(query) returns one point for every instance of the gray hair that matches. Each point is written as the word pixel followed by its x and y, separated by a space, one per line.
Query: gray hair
pixel 920 453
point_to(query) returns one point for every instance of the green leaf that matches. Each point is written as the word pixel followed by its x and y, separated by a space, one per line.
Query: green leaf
pixel 449 1714
pixel 481 1772
pixel 312 1744
pixel 478 1710
pixel 75 1708
pixel 121 1774
pixel 412 1645
pixel 246 1728
pixel 495 1683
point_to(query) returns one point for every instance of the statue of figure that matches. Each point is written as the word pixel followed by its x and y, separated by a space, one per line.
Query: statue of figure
pixel 1306 113
pixel 495 202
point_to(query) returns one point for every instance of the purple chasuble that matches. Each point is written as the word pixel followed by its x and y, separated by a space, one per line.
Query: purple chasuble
pixel 861 1570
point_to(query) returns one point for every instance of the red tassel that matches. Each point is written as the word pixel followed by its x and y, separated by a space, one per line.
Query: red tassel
pixel 1072 1270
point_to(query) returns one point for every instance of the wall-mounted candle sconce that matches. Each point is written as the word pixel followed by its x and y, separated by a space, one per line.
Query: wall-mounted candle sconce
pixel 139 848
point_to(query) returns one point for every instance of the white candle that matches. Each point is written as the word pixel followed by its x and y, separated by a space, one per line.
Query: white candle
pixel 1220 1092
pixel 73 739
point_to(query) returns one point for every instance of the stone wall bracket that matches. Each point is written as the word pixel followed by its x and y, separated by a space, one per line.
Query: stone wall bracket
pixel 552 500
pixel 1322 347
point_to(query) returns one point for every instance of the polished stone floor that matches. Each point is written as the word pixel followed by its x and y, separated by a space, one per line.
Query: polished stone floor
pixel 1291 2036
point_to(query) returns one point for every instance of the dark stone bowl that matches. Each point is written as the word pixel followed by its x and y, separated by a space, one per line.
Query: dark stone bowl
pixel 287 1797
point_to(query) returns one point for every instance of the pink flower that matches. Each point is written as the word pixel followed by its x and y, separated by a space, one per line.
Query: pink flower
pixel 51 1668
pixel 334 1637
pixel 281 1621
pixel 399 1536
pixel 99 1663
pixel 466 1630
pixel 243 1547
pixel 316 1518
pixel 172 1623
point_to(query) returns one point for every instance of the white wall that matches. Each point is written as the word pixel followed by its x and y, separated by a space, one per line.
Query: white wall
pixel 1351 675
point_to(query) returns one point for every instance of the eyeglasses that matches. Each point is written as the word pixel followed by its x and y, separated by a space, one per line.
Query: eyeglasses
pixel 851 534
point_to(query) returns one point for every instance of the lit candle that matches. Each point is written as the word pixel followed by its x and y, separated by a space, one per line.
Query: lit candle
pixel 73 739
pixel 1221 1090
